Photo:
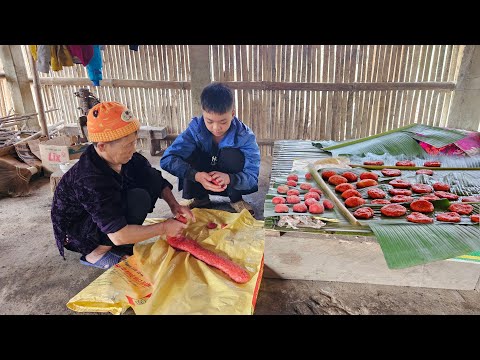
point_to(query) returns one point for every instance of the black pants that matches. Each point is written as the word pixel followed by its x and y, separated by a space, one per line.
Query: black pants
pixel 138 205
pixel 229 161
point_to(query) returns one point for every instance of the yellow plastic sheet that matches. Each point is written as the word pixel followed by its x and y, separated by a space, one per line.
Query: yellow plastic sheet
pixel 158 279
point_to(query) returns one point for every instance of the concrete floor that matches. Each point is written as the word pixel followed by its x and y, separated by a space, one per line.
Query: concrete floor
pixel 34 279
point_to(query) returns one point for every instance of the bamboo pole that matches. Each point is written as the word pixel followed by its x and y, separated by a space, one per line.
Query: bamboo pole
pixel 351 96
pixel 340 206
pixel 17 117
pixel 261 85
pixel 39 133
pixel 406 168
pixel 38 94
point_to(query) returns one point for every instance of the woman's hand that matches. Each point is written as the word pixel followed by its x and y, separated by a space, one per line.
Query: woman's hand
pixel 172 227
pixel 182 210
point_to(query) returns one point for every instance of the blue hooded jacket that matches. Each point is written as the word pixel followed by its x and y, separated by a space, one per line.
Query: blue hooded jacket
pixel 198 138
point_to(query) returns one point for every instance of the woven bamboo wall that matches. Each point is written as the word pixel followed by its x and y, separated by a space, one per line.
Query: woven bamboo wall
pixel 337 114
pixel 282 91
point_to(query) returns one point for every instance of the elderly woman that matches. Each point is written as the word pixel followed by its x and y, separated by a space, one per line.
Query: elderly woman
pixel 100 204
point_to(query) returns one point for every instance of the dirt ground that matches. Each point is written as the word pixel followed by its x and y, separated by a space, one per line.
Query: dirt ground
pixel 34 279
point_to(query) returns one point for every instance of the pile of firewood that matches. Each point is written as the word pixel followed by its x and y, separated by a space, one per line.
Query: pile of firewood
pixel 15 119
pixel 10 137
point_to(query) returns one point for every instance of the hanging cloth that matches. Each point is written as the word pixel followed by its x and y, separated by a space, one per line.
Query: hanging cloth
pixel 64 55
pixel 33 51
pixel 94 67
pixel 60 57
pixel 41 55
pixel 81 54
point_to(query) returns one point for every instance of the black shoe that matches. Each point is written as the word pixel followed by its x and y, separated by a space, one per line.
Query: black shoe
pixel 242 205
pixel 199 203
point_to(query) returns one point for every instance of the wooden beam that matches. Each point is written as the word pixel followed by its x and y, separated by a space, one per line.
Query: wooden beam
pixel 18 82
pixel 259 85
pixel 464 111
pixel 328 86
pixel 117 83
pixel 200 74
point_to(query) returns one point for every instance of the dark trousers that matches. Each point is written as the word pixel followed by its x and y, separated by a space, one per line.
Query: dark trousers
pixel 137 203
pixel 229 161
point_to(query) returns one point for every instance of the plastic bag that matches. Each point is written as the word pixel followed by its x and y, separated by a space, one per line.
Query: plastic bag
pixel 158 279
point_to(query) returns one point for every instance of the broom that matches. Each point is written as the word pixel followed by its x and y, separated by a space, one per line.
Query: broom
pixel 14 179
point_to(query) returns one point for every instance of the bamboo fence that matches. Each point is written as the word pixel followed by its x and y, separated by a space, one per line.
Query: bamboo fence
pixel 292 92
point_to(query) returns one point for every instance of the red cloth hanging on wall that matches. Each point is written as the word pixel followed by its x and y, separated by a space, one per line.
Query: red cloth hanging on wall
pixel 82 54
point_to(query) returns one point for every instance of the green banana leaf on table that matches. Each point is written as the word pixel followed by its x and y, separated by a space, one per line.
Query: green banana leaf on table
pixel 404 244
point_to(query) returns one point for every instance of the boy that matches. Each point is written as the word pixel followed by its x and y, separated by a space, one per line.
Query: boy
pixel 217 154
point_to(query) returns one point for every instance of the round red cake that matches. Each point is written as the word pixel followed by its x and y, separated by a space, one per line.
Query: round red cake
pixel 419 218
pixel 393 210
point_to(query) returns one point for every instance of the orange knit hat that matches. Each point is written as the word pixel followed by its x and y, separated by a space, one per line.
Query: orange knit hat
pixel 110 120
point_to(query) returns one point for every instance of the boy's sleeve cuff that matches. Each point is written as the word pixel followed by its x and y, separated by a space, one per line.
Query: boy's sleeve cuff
pixel 191 174
pixel 233 180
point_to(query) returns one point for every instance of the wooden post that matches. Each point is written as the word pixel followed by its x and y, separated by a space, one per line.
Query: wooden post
pixel 18 82
pixel 38 94
pixel 464 111
pixel 200 73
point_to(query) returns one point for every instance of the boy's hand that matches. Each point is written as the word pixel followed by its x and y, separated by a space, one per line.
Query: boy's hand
pixel 206 180
pixel 220 178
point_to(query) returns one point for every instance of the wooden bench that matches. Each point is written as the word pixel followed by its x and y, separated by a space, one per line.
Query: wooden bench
pixel 154 134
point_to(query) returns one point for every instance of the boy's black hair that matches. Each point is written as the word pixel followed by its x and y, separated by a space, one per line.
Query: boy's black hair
pixel 217 98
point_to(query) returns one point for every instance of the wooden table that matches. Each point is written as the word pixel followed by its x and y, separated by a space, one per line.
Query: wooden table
pixel 348 258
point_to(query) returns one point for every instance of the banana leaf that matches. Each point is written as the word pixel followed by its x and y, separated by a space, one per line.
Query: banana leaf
pixel 473 257
pixel 435 136
pixel 401 141
pixel 398 143
pixel 463 183
pixel 407 244
pixel 431 242
pixel 403 244
pixel 347 229
pixel 446 161
pixel 440 206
